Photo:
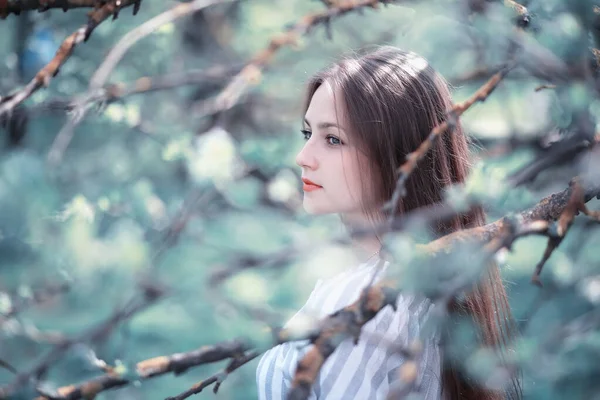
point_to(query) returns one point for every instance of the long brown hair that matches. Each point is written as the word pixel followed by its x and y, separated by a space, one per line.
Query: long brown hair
pixel 392 100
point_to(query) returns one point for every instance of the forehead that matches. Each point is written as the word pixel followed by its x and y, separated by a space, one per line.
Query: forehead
pixel 325 106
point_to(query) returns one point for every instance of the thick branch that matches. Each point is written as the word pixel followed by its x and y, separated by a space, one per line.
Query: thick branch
pixel 550 208
pixel 179 363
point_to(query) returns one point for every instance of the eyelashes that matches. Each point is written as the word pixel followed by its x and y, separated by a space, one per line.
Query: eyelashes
pixel 331 140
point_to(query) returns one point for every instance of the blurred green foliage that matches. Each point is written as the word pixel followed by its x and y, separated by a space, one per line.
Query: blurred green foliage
pixel 99 217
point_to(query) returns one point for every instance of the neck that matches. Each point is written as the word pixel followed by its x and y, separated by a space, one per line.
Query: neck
pixel 366 249
pixel 365 246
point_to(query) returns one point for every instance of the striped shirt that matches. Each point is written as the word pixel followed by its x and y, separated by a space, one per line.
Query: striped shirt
pixel 362 371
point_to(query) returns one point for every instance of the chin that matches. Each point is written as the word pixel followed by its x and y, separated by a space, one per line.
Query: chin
pixel 313 208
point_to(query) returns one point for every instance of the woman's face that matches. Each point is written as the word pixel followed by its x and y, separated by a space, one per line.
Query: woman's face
pixel 329 159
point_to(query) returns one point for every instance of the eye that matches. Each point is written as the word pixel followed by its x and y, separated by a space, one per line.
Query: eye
pixel 306 133
pixel 334 141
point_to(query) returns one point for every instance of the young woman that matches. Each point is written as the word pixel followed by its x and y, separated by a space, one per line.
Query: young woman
pixel 363 115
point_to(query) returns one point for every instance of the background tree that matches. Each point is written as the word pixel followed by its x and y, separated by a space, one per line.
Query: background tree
pixel 150 219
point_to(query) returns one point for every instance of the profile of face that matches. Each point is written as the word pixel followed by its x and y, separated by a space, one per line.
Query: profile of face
pixel 331 163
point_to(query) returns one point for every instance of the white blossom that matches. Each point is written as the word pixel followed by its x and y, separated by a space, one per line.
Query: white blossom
pixel 215 157
pixel 590 288
pixel 282 187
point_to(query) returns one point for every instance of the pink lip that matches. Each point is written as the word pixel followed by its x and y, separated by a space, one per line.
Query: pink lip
pixel 309 185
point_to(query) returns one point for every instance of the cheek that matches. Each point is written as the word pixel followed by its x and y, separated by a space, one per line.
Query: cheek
pixel 352 179
pixel 362 182
pixel 354 186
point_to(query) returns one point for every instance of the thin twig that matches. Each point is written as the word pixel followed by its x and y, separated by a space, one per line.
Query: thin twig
pixel 544 86
pixel 175 363
pixel 217 378
pixel 118 51
pixel 119 91
pixel 90 335
pixel 252 72
pixel 65 135
pixel 38 296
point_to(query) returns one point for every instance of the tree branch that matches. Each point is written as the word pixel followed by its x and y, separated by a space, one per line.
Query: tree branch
pixel 345 323
pixel 550 208
pixel 45 75
pixel 252 71
pixel 349 321
pixel 64 137
pixel 8 7
pixel 118 51
pixel 176 363
pixel 217 378
pixel 413 158
pixel 151 295
pixel 38 296
pixel 333 331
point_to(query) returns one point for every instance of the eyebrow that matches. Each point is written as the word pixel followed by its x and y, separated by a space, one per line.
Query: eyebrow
pixel 325 125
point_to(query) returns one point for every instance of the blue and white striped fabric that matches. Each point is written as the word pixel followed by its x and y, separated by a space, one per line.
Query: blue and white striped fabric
pixel 364 371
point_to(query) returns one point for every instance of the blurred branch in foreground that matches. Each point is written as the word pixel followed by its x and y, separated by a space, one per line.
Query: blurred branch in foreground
pixel 551 218
pixel 348 321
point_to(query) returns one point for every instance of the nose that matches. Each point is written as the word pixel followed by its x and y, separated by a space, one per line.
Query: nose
pixel 306 157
